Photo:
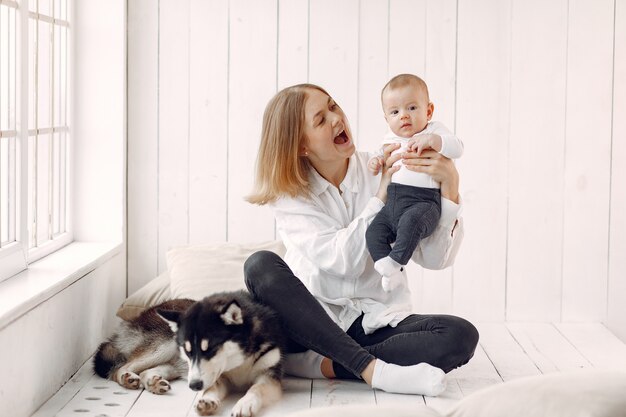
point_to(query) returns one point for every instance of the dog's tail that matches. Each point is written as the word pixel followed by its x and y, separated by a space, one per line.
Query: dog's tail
pixel 108 358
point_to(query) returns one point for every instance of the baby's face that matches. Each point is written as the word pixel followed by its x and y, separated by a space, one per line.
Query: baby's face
pixel 407 110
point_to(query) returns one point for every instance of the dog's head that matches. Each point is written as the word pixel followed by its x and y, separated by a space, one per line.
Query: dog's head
pixel 210 335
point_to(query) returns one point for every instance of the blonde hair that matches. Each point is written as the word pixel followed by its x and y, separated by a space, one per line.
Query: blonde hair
pixel 280 169
pixel 402 80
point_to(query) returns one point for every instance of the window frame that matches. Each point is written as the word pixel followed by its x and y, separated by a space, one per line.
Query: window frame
pixel 18 254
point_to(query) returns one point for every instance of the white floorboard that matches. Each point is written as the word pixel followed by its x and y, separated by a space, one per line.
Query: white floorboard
pixel 596 343
pixel 67 391
pixel 507 356
pixel 100 397
pixel 327 392
pixel 175 403
pixel 546 346
pixel 506 351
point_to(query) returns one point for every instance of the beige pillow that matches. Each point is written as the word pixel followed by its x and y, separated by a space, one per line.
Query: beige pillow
pixel 196 271
pixel 151 294
pixel 583 393
pixel 369 411
pixel 199 270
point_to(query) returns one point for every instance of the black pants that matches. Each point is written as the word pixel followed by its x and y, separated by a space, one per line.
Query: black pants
pixel 410 215
pixel 446 342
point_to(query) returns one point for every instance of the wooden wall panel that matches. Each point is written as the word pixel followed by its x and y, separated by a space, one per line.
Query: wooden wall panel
pixel 173 154
pixel 617 227
pixel 536 160
pixel 293 43
pixel 370 126
pixel 407 37
pixel 143 134
pixel 208 120
pixel 482 120
pixel 252 82
pixel 333 51
pixel 587 159
pixel 539 112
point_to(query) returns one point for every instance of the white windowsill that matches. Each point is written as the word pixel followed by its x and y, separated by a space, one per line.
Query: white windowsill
pixel 51 275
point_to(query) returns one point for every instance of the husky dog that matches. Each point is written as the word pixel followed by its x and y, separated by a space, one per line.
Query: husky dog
pixel 143 352
pixel 230 343
pixel 225 341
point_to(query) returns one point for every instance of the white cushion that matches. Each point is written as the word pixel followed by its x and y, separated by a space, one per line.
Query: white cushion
pixel 583 393
pixel 153 293
pixel 194 272
pixel 368 411
pixel 199 270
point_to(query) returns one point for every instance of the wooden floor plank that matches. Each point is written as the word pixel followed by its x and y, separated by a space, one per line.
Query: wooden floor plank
pixel 176 403
pixel 547 347
pixel 477 374
pixel 67 391
pixel 386 398
pixel 448 398
pixel 327 392
pixel 100 397
pixel 597 344
pixel 505 353
pixel 296 396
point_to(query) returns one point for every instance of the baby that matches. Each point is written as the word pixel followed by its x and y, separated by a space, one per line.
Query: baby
pixel 413 199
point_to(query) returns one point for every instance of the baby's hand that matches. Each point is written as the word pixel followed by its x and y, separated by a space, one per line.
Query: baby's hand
pixel 425 141
pixel 375 164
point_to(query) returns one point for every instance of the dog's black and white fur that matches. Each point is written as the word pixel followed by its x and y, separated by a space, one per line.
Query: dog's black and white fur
pixel 228 342
pixel 143 352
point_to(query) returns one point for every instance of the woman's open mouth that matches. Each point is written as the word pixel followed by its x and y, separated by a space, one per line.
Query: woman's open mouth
pixel 341 138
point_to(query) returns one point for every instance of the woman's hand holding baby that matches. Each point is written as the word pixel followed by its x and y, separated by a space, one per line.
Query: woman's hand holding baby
pixel 440 168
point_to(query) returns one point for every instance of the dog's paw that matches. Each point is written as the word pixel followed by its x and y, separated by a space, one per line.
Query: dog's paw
pixel 129 380
pixel 207 406
pixel 157 385
pixel 246 407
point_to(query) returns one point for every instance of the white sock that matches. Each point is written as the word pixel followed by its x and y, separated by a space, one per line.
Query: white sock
pixel 387 266
pixel 391 272
pixel 421 379
pixel 390 283
pixel 304 365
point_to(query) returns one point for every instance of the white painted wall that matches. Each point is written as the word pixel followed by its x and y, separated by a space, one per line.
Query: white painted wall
pixel 42 349
pixel 535 89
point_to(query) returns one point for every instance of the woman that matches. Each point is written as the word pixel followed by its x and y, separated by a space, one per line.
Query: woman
pixel 326 290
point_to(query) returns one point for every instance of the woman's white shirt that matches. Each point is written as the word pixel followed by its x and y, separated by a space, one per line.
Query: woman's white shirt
pixel 324 235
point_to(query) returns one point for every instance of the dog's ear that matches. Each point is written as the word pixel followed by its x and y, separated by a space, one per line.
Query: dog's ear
pixel 172 318
pixel 232 314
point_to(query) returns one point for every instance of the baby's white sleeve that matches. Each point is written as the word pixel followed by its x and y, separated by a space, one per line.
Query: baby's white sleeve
pixel 451 145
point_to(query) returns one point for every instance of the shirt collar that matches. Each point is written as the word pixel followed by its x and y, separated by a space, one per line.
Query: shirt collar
pixel 351 182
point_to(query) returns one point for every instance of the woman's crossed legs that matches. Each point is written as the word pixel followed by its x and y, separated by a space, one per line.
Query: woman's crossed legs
pixel 403 352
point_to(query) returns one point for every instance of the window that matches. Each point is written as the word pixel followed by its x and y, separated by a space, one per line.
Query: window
pixel 34 131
